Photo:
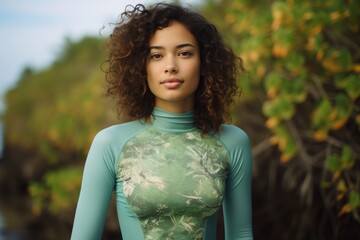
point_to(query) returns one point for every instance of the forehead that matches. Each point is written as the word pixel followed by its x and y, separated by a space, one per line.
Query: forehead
pixel 175 34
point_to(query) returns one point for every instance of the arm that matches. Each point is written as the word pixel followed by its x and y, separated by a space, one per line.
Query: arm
pixel 96 189
pixel 237 202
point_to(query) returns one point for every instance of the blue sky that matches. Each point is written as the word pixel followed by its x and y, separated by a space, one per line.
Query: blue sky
pixel 32 32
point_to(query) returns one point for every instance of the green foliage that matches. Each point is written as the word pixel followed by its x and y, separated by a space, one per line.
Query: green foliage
pixel 59 108
pixel 350 84
pixel 304 59
pixel 55 112
pixel 58 192
pixel 336 163
pixel 305 55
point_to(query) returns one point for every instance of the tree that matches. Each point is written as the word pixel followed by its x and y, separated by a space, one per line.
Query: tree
pixel 303 58
pixel 52 116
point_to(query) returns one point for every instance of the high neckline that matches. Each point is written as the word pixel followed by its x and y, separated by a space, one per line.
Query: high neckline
pixel 173 122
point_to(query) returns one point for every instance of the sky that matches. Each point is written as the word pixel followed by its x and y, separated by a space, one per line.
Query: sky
pixel 33 32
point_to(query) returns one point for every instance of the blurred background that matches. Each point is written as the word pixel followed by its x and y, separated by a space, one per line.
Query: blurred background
pixel 300 107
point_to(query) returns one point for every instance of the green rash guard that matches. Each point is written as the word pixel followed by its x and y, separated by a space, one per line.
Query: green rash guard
pixel 169 179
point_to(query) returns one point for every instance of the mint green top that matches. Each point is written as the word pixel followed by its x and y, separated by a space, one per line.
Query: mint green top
pixel 169 181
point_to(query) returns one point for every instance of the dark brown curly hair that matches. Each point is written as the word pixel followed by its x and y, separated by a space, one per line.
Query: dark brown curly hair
pixel 128 53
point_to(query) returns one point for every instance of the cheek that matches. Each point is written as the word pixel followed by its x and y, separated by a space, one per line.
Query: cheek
pixel 151 80
pixel 151 84
pixel 195 72
pixel 194 83
pixel 150 75
pixel 148 71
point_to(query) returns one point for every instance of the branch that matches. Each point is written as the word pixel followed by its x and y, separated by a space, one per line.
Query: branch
pixel 302 149
pixel 335 142
pixel 344 40
pixel 317 82
pixel 261 147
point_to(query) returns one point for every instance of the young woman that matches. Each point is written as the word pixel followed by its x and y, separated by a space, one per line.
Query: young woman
pixel 175 162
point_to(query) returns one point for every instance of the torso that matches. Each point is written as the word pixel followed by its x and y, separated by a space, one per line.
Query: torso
pixel 172 181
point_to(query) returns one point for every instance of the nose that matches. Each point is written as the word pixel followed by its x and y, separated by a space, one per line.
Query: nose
pixel 171 66
pixel 171 69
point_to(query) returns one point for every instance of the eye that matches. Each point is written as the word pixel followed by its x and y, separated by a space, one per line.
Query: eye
pixel 155 56
pixel 185 54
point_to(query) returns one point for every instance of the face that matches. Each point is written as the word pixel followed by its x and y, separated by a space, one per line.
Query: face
pixel 173 68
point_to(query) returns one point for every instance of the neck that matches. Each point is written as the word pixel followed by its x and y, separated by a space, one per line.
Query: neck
pixel 175 122
pixel 175 107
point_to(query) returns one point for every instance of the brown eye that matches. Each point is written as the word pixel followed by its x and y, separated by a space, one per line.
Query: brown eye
pixel 155 56
pixel 185 54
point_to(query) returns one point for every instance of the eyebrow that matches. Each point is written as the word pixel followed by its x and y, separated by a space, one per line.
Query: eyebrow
pixel 177 46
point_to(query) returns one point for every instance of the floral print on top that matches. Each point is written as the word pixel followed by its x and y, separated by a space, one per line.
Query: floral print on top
pixel 168 180
pixel 173 181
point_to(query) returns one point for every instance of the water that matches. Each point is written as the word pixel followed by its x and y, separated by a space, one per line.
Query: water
pixel 1 139
pixel 2 223
pixel 11 221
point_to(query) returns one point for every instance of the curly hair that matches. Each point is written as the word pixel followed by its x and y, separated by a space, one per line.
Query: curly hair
pixel 129 49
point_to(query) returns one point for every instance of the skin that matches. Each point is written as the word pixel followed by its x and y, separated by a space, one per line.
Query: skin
pixel 173 68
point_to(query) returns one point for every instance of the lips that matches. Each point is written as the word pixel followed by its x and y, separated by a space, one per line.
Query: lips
pixel 172 83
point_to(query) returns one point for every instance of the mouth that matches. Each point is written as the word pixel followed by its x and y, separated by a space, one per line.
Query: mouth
pixel 172 83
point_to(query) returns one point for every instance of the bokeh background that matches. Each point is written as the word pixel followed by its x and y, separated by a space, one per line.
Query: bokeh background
pixel 300 107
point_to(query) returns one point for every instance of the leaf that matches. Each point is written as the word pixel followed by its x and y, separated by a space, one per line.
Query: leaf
pixel 272 122
pixel 295 62
pixel 356 68
pixel 283 40
pixel 346 158
pixel 295 89
pixel 340 196
pixel 350 84
pixel 341 186
pixel 284 158
pixel 345 60
pixel 321 114
pixel 321 135
pixel 273 83
pixel 345 209
pixel 285 141
pixel 354 200
pixel 279 107
pixel 289 151
pixel 342 110
pixel 38 194
pixel 333 163
pixel 58 191
pixel 337 60
pixel 335 16
pixel 314 43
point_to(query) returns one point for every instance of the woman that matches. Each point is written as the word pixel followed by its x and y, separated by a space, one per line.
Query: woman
pixel 174 163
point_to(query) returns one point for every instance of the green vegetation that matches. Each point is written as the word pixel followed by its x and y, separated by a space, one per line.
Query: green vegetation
pixel 304 63
pixel 55 113
pixel 58 192
pixel 59 107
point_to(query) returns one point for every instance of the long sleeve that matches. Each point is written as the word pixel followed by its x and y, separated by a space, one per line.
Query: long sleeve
pixel 97 185
pixel 237 202
pixel 145 167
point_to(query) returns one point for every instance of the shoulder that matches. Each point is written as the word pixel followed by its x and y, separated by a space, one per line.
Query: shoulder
pixel 233 130
pixel 238 145
pixel 233 137
pixel 119 133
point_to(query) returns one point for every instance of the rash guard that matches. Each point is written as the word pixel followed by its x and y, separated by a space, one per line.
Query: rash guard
pixel 169 180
